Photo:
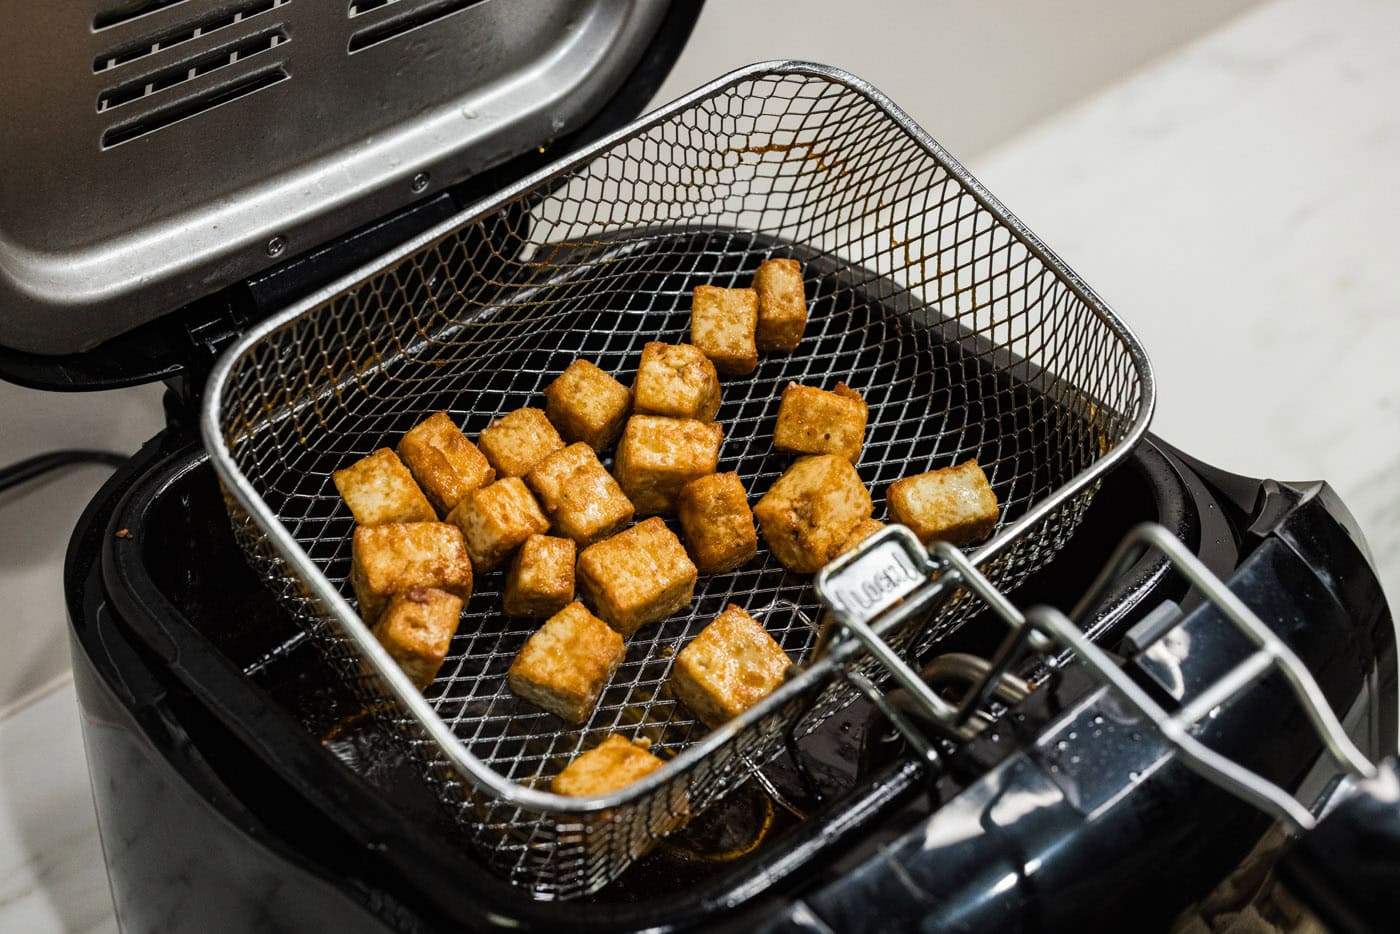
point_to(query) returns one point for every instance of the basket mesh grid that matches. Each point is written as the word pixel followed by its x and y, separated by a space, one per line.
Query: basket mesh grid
pixel 963 342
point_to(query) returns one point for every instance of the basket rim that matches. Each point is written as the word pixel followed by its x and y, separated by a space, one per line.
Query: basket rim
pixel 473 768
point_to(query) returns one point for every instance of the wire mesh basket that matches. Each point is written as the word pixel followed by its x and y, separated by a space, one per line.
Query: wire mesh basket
pixel 966 336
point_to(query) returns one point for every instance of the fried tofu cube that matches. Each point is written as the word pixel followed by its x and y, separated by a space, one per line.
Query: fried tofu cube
pixel 564 666
pixel 540 581
pixel 954 505
pixel 581 498
pixel 730 666
pixel 814 421
pixel 398 556
pixel 722 324
pixel 496 519
pixel 416 630
pixel 782 304
pixel 676 380
pixel 637 576
pixel 808 513
pixel 718 524
pixel 587 405
pixel 517 441
pixel 379 489
pixel 863 530
pixel 446 465
pixel 657 456
pixel 610 766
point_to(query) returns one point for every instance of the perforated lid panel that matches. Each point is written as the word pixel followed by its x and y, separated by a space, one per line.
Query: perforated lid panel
pixel 156 150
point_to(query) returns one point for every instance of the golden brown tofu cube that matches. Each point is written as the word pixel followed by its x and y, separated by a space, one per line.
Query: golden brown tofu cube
pixel 954 505
pixel 564 666
pixel 782 304
pixel 579 495
pixel 496 519
pixel 540 581
pixel 446 465
pixel 398 556
pixel 676 380
pixel 416 630
pixel 718 524
pixel 637 576
pixel 730 666
pixel 610 766
pixel 722 324
pixel 587 405
pixel 814 421
pixel 657 456
pixel 863 530
pixel 379 489
pixel 517 441
pixel 811 509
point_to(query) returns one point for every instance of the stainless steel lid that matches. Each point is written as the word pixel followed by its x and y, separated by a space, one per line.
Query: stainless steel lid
pixel 157 150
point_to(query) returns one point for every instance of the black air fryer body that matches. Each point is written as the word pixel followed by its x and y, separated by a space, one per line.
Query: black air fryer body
pixel 234 791
pixel 219 808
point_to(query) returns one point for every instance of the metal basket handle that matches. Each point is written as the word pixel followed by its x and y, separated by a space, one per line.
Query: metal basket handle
pixel 892 567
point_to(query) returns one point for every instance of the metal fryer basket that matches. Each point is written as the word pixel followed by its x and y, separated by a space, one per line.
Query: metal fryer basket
pixel 965 334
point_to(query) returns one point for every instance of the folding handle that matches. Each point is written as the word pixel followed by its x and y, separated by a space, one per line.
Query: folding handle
pixel 886 570
pixel 892 575
pixel 1270 653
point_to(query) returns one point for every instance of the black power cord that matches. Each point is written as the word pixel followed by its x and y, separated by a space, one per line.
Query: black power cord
pixel 40 464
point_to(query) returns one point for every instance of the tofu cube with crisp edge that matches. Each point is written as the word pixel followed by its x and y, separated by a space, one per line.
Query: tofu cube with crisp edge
pixel 718 525
pixel 416 630
pixel 379 489
pixel 722 324
pixel 610 766
pixel 398 556
pixel 587 405
pixel 496 519
pixel 955 505
pixel 676 380
pixel 565 664
pixel 580 497
pixel 863 530
pixel 814 421
pixel 540 581
pixel 730 666
pixel 658 455
pixel 782 304
pixel 517 441
pixel 810 511
pixel 636 577
pixel 446 465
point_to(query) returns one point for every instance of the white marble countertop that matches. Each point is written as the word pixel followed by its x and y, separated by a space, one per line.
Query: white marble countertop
pixel 51 873
pixel 1232 201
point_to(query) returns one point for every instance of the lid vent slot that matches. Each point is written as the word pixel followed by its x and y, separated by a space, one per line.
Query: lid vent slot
pixel 128 11
pixel 166 78
pixel 401 16
pixel 181 110
pixel 163 41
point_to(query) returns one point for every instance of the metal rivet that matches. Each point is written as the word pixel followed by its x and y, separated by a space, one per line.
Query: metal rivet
pixel 276 245
pixel 420 182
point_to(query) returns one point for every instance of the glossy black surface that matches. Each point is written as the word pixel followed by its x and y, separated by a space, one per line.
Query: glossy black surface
pixel 1348 867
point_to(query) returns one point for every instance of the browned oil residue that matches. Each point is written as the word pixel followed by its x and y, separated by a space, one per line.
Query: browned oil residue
pixel 824 163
